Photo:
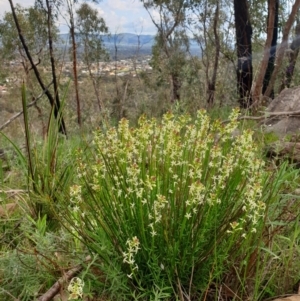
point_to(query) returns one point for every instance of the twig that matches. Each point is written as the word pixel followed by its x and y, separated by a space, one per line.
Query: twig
pixel 179 287
pixel 12 191
pixel 266 116
pixel 191 280
pixel 55 288
pixel 271 114
pixel 231 291
pixel 28 106
pixel 220 293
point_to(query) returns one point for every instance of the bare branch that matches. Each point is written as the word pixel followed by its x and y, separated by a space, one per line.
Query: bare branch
pixel 267 115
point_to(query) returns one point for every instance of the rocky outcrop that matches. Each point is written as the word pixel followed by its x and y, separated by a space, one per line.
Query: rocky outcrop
pixel 287 101
pixel 286 127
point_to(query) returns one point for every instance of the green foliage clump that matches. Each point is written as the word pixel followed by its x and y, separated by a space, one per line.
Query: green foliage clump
pixel 170 204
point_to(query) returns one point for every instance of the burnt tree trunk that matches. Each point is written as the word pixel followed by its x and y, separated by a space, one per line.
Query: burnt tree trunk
pixel 244 52
pixel 175 87
pixel 271 61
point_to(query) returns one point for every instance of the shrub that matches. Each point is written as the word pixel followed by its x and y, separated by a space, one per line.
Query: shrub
pixel 169 206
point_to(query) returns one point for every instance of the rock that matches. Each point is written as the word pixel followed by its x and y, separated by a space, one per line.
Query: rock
pixel 286 128
pixel 287 101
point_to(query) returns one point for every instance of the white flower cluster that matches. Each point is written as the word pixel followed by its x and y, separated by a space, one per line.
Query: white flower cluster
pixel 191 163
pixel 133 245
pixel 75 288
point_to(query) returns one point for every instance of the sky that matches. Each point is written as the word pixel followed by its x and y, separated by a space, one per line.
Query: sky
pixel 121 16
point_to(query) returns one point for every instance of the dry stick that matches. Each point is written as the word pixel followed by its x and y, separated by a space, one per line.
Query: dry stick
pixel 231 291
pixel 55 288
pixel 20 113
pixel 13 191
pixel 266 116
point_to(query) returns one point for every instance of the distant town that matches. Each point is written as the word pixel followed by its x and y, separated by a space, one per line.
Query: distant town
pixel 112 68
pixel 129 55
pixel 122 67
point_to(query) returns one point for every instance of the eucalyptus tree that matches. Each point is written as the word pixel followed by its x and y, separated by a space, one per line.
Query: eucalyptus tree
pixel 205 24
pixel 171 39
pixel 32 22
pixel 283 45
pixel 53 9
pixel 90 27
pixel 292 58
pixel 271 62
pixel 50 9
pixel 267 63
pixel 278 18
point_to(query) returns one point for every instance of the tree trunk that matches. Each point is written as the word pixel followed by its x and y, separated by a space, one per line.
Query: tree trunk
pixel 271 61
pixel 212 82
pixel 282 47
pixel 52 60
pixel 171 16
pixel 74 56
pixel 244 52
pixel 258 84
pixel 175 87
pixel 292 57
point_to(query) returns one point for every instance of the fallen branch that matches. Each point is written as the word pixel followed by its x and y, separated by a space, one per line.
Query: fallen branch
pixel 272 114
pixel 266 116
pixel 55 288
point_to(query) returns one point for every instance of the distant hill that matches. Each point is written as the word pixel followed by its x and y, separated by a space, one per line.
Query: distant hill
pixel 129 44
pixel 129 39
pixel 122 38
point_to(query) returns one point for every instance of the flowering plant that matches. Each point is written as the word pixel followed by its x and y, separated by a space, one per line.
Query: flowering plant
pixel 172 200
pixel 75 288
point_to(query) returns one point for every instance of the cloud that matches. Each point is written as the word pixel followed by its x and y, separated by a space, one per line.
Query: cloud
pixel 125 5
pixel 119 15
pixel 5 7
pixel 126 16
